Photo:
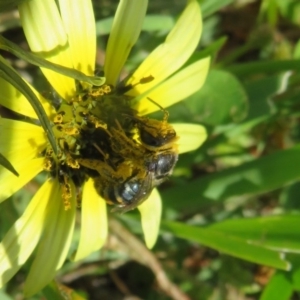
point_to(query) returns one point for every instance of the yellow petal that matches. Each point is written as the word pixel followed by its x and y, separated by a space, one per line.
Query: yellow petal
pixel 79 22
pixel 93 220
pixel 45 34
pixel 180 86
pixel 151 210
pixel 125 31
pixel 11 183
pixel 11 98
pixel 42 25
pixel 173 53
pixel 24 235
pixel 191 136
pixel 64 86
pixel 21 141
pixel 55 242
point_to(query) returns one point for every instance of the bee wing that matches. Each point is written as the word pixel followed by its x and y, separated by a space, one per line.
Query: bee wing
pixel 145 191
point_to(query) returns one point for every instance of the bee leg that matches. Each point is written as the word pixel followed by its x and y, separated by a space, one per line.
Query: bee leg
pixel 101 167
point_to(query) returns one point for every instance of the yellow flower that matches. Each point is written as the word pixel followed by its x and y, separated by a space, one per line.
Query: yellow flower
pixel 65 34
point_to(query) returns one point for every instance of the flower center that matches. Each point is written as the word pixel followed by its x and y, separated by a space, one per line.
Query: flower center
pixel 100 136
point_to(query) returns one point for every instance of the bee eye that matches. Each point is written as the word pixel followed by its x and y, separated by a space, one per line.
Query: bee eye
pixel 150 140
pixel 159 140
pixel 164 165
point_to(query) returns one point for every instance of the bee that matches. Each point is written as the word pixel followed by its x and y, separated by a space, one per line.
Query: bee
pixel 158 138
pixel 127 194
pixel 126 187
pixel 161 140
pixel 136 159
pixel 158 155
pixel 161 166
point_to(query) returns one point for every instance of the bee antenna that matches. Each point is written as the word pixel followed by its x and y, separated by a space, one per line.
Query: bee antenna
pixel 166 113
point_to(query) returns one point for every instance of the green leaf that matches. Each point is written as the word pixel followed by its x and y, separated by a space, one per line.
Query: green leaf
pixel 264 67
pixel 260 92
pixel 289 197
pixel 209 7
pixel 296 276
pixel 9 4
pixel 277 232
pixel 40 62
pixel 6 164
pixel 103 27
pixel 290 9
pixel 296 53
pixel 279 287
pixel 261 175
pixel 10 75
pixel 211 50
pixel 51 291
pixel 151 23
pixel 4 296
pixel 228 244
pixel 158 23
pixel 221 89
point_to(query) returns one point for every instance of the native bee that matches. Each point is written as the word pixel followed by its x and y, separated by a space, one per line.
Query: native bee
pixel 127 186
pixel 155 147
pixel 158 138
pixel 137 156
pixel 127 194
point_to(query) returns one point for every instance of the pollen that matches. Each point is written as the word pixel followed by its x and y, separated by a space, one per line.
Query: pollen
pixel 58 119
pixel 73 163
pixel 66 193
pixel 100 136
pixel 47 166
pixel 71 130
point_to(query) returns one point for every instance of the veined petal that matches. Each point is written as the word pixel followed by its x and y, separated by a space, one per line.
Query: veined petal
pixel 11 183
pixel 93 220
pixel 63 85
pixel 125 31
pixel 45 34
pixel 55 242
pixel 11 98
pixel 191 136
pixel 79 22
pixel 180 86
pixel 42 25
pixel 151 210
pixel 24 235
pixel 173 53
pixel 21 141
